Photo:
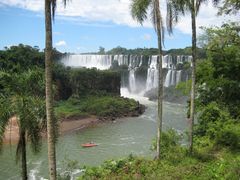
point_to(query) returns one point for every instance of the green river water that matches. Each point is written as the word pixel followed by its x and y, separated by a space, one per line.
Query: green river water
pixel 115 140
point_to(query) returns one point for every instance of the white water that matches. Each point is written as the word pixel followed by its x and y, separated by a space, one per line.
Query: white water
pixel 89 61
pixel 172 78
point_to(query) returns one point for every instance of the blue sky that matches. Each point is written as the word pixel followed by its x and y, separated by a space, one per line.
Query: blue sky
pixel 86 29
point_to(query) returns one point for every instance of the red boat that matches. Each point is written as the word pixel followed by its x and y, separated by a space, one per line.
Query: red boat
pixel 89 145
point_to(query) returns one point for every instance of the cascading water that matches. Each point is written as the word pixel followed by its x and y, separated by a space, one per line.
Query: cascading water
pixel 132 81
pixel 152 76
pixel 168 78
pixel 179 76
pixel 173 80
pixel 89 61
pixel 170 65
pixel 131 68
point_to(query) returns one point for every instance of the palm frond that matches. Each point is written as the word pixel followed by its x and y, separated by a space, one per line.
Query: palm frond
pixel 65 3
pixel 198 5
pixel 37 118
pixel 176 8
pixel 54 6
pixel 216 2
pixel 139 10
pixel 5 115
pixel 172 16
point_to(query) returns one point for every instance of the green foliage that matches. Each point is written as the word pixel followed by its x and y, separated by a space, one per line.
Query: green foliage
pixel 218 77
pixel 230 7
pixel 170 143
pixel 30 114
pixel 61 75
pixel 30 82
pixel 101 106
pixel 184 87
pixel 101 50
pixel 139 10
pixel 92 81
pixel 229 136
pixel 216 123
pixel 210 116
pixel 201 52
pixel 21 57
pixel 117 50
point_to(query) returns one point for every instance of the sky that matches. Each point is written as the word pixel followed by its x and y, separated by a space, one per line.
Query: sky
pixel 85 25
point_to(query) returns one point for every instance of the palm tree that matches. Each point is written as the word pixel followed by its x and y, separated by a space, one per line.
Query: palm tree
pixel 192 6
pixel 29 112
pixel 50 7
pixel 139 10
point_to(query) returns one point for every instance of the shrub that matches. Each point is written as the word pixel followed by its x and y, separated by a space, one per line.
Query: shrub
pixel 229 136
pixel 211 119
pixel 170 143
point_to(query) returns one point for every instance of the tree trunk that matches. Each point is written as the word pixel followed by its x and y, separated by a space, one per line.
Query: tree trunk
pixel 194 56
pixel 49 96
pixel 24 156
pixel 160 79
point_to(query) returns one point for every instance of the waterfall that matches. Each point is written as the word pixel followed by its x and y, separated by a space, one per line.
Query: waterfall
pixel 179 76
pixel 89 61
pixel 169 63
pixel 173 78
pixel 152 75
pixel 168 78
pixel 132 81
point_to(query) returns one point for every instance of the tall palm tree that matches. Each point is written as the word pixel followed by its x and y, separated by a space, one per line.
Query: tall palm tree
pixel 192 6
pixel 29 111
pixel 50 8
pixel 139 10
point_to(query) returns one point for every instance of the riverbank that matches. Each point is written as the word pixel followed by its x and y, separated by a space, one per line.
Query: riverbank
pixel 11 134
pixel 77 114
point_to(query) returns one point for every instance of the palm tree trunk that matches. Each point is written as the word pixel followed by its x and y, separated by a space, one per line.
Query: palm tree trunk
pixel 194 56
pixel 49 96
pixel 160 80
pixel 24 156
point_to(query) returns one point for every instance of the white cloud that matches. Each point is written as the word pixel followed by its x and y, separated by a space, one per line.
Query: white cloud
pixel 99 13
pixel 207 17
pixel 61 43
pixel 147 37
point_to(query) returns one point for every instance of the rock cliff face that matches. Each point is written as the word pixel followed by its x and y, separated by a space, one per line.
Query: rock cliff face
pixel 137 111
pixel 170 94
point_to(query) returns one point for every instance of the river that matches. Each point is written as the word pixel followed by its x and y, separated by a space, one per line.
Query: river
pixel 115 140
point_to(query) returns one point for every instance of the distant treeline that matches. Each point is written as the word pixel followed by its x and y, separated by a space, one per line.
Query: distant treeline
pixel 150 51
